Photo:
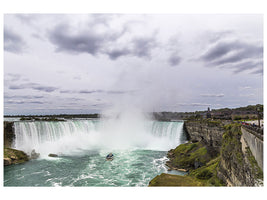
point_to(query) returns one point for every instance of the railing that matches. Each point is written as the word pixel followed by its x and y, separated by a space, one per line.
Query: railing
pixel 258 132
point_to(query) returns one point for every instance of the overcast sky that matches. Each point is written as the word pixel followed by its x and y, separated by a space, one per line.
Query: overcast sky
pixel 89 63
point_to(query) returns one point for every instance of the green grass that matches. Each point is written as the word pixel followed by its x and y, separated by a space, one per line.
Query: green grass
pixel 174 180
pixel 208 174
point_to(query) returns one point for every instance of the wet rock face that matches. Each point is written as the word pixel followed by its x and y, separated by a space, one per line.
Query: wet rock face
pixel 9 134
pixel 208 132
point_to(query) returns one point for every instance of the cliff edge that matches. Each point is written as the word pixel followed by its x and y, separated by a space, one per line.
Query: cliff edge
pixel 216 155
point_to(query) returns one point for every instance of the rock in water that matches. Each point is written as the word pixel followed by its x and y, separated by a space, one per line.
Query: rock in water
pixel 52 155
pixel 34 155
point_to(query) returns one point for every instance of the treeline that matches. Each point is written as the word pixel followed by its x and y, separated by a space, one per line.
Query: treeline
pixel 258 107
pixel 55 117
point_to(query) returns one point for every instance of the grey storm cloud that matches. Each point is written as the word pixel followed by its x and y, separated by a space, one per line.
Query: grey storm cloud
pixel 33 86
pixel 235 54
pixel 116 53
pixel 143 46
pixel 139 47
pixel 79 43
pixel 174 60
pixel 12 41
pixel 91 42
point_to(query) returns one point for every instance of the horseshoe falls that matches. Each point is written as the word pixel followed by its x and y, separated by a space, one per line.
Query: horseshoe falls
pixel 139 148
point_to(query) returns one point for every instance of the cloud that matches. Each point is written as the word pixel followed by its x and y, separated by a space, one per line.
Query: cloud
pixel 44 88
pixel 67 91
pixel 193 104
pixel 78 43
pixel 138 47
pixel 174 60
pixel 173 47
pixel 212 95
pixel 23 96
pixel 23 102
pixel 104 91
pixel 27 18
pixel 143 46
pixel 13 77
pixel 87 91
pixel 106 42
pixel 13 42
pixel 234 54
pixel 116 53
pixel 33 86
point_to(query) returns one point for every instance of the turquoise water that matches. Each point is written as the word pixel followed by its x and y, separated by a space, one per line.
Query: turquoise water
pixel 129 168
pixel 83 164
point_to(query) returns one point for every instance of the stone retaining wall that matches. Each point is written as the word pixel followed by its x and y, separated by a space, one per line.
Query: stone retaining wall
pixel 256 146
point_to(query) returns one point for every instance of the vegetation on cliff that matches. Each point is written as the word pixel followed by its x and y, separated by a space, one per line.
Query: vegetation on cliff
pixel 188 156
pixel 195 158
pixel 231 145
pixel 13 156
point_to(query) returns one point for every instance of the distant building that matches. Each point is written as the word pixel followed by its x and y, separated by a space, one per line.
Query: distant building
pixel 208 113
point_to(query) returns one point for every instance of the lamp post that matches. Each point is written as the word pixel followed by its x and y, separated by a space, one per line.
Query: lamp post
pixel 258 111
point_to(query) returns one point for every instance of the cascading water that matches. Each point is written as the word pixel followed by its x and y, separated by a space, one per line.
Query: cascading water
pixel 70 137
pixel 139 148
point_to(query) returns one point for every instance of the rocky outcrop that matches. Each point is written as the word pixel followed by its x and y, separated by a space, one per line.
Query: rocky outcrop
pixel 209 132
pixel 13 156
pixel 34 155
pixel 9 134
pixel 188 156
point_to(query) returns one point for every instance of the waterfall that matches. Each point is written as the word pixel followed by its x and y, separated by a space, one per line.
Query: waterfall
pixel 76 136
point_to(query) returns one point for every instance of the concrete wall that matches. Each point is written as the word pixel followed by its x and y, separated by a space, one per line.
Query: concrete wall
pixel 256 146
